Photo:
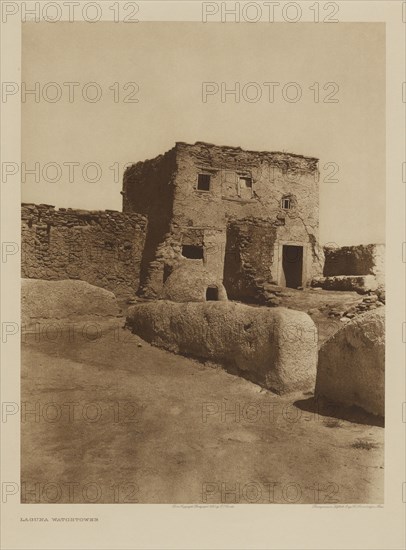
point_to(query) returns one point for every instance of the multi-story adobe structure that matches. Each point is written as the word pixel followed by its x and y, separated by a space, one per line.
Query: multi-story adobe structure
pixel 246 217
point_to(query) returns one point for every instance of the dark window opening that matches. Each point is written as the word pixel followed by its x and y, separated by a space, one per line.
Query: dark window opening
pixel 212 294
pixel 286 203
pixel 245 182
pixel 192 252
pixel 203 182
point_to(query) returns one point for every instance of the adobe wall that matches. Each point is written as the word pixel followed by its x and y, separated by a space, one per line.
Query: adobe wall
pixel 249 258
pixel 276 348
pixel 274 175
pixel 148 189
pixel 351 366
pixel 355 260
pixel 103 248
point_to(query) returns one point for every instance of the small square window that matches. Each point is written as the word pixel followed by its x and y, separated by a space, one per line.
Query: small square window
pixel 203 182
pixel 212 293
pixel 286 204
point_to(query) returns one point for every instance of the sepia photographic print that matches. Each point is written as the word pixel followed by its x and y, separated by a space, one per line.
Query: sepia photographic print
pixel 202 261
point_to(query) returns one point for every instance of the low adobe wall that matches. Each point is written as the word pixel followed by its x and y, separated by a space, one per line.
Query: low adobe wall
pixel 54 300
pixel 360 268
pixel 354 260
pixel 351 367
pixel 103 248
pixel 357 283
pixel 276 348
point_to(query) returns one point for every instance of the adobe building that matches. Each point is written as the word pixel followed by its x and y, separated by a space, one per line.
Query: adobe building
pixel 244 218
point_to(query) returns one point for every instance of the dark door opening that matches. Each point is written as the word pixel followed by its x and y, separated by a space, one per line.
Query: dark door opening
pixel 212 294
pixel 292 265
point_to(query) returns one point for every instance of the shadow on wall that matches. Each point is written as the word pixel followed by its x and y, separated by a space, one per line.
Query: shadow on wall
pixel 143 184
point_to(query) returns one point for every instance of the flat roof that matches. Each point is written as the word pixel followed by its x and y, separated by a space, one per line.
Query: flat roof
pixel 234 148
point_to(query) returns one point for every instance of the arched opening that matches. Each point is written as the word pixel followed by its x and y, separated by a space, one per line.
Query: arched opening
pixel 212 294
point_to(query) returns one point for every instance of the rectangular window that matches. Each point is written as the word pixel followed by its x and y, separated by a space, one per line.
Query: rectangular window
pixel 192 252
pixel 203 182
pixel 286 204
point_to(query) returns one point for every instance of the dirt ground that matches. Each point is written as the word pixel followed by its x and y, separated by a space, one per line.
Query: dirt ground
pixel 108 418
pixel 318 304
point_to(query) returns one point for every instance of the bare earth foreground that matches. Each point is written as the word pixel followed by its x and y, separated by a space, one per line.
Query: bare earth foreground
pixel 108 418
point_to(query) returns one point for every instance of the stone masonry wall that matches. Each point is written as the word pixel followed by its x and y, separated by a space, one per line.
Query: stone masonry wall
pixel 148 189
pixel 360 268
pixel 249 258
pixel 103 248
pixel 354 260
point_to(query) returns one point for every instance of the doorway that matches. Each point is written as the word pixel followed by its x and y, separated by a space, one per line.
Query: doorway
pixel 292 265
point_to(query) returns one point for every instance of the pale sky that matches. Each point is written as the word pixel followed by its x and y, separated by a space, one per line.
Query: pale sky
pixel 169 62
